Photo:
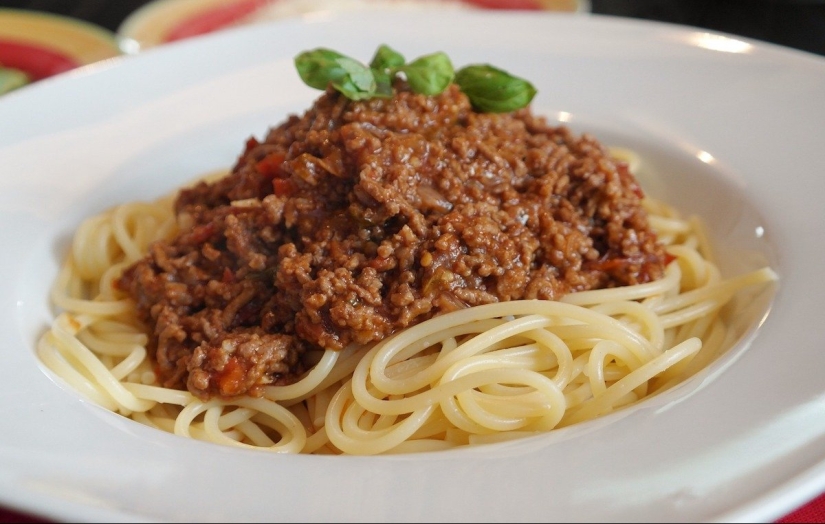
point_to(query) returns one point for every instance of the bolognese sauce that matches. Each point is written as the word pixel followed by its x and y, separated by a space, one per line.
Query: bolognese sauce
pixel 360 218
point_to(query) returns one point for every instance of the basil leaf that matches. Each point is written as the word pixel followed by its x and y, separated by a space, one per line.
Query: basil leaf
pixel 358 81
pixel 322 67
pixel 493 90
pixel 383 83
pixel 384 65
pixel 387 59
pixel 319 67
pixel 489 89
pixel 430 74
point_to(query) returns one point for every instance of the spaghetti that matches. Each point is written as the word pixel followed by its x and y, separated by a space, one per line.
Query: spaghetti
pixel 478 375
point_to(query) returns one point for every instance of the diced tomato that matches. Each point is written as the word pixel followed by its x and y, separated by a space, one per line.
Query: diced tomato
pixel 227 276
pixel 251 143
pixel 201 233
pixel 270 165
pixel 616 263
pixel 283 186
pixel 608 264
pixel 230 378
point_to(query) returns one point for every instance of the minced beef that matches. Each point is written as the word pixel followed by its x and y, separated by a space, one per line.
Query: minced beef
pixel 360 218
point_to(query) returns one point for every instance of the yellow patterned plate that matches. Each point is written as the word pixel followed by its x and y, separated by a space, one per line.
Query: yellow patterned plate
pixel 163 21
pixel 36 45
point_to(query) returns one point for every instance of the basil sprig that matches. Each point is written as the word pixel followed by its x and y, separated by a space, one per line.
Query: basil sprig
pixel 429 75
pixel 492 90
pixel 384 66
pixel 321 67
pixel 489 89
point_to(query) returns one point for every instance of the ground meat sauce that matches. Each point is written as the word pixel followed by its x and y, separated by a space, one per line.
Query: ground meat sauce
pixel 358 219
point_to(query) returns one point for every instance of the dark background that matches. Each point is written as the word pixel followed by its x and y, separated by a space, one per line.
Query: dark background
pixel 794 23
pixel 798 24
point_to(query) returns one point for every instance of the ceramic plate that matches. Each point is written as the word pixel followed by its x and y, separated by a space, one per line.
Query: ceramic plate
pixel 727 128
pixel 163 21
pixel 36 45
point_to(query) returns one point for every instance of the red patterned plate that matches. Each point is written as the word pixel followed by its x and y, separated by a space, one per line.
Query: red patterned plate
pixel 165 21
pixel 36 45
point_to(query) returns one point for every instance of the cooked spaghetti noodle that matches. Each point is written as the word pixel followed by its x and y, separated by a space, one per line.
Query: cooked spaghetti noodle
pixel 477 375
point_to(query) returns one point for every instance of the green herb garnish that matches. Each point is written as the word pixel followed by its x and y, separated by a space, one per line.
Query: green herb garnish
pixel 385 64
pixel 490 89
pixel 429 75
pixel 322 67
pixel 493 90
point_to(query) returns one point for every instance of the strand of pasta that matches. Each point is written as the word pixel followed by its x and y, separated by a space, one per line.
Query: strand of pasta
pixel 478 375
pixel 293 434
pixel 64 331
pixel 602 403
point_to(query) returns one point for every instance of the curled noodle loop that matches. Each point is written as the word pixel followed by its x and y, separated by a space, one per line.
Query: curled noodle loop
pixel 478 375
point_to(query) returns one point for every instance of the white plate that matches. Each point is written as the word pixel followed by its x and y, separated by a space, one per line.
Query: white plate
pixel 732 127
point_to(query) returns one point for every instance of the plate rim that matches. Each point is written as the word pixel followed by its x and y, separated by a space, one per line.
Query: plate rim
pixel 779 496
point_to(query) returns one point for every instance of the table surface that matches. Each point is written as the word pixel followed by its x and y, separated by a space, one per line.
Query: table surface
pixel 794 23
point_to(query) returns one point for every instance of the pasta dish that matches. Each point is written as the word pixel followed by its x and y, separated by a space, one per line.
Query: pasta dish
pixel 392 272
